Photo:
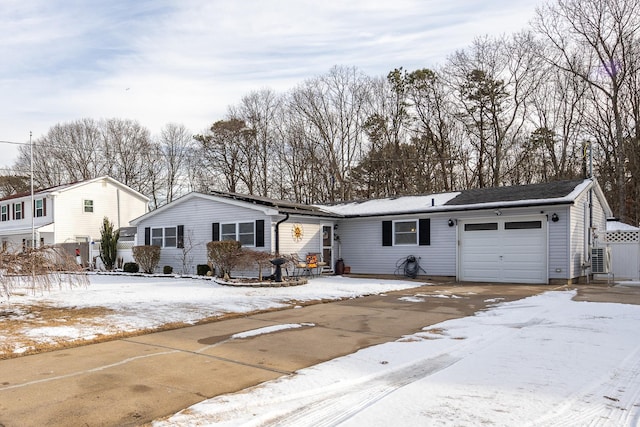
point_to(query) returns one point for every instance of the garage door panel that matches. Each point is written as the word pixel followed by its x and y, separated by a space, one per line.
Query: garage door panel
pixel 513 251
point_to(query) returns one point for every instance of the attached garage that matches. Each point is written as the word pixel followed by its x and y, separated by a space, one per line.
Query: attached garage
pixel 503 250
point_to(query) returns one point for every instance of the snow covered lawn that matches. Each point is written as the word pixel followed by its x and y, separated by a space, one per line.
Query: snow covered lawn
pixel 541 361
pixel 113 305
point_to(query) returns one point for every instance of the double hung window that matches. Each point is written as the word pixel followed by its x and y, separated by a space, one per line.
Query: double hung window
pixel 243 232
pixel 164 237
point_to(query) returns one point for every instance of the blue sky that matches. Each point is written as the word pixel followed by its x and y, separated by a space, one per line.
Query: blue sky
pixel 186 61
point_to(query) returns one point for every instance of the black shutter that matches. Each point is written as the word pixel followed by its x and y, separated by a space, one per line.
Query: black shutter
pixel 22 216
pixel 180 243
pixel 215 236
pixel 424 227
pixel 260 233
pixel 147 236
pixel 44 207
pixel 387 233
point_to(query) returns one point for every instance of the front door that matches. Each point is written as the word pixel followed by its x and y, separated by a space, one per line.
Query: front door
pixel 327 245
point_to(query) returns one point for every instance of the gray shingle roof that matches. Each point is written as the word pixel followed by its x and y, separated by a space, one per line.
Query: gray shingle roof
pixel 547 190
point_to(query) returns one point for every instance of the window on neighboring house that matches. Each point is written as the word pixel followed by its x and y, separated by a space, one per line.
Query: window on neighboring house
pixel 164 237
pixel 88 205
pixel 244 232
pixel 39 208
pixel 17 211
pixel 4 213
pixel 405 232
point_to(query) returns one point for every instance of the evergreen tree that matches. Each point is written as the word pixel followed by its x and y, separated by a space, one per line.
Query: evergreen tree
pixel 108 244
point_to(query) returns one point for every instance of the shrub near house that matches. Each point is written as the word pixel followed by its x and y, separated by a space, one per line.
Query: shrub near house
pixel 147 257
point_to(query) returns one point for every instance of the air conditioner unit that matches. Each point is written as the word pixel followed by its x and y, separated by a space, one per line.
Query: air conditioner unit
pixel 601 260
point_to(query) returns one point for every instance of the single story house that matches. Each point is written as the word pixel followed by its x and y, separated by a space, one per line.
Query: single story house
pixel 538 233
pixel 70 213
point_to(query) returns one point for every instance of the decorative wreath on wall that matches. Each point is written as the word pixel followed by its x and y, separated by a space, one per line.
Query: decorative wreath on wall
pixel 297 232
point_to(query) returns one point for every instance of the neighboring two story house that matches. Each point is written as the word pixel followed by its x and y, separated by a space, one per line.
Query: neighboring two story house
pixel 71 213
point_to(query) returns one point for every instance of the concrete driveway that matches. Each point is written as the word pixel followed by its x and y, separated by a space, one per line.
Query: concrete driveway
pixel 136 380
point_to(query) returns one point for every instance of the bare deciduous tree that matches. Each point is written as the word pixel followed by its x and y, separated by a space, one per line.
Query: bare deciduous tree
pixel 594 40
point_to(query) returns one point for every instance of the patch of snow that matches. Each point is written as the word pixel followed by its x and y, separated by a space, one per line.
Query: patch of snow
pixel 270 330
pixel 411 299
pixel 391 204
pixel 620 226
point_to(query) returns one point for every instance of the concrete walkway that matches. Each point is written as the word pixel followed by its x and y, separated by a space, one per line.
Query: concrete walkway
pixel 136 380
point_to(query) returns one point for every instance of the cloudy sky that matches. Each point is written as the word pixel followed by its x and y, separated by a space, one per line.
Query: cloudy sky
pixel 186 61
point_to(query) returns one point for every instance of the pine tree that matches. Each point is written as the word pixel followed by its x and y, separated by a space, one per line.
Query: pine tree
pixel 108 244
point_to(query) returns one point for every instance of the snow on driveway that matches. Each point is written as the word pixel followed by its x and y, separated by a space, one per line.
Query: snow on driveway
pixel 541 361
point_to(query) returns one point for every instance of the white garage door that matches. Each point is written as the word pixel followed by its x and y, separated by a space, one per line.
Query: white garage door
pixel 506 250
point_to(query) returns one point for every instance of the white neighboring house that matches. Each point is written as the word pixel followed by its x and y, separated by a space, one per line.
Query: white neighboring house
pixel 71 213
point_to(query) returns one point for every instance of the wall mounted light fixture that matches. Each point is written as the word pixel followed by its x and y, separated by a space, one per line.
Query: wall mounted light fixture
pixel 451 222
pixel 554 217
pixel 498 212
